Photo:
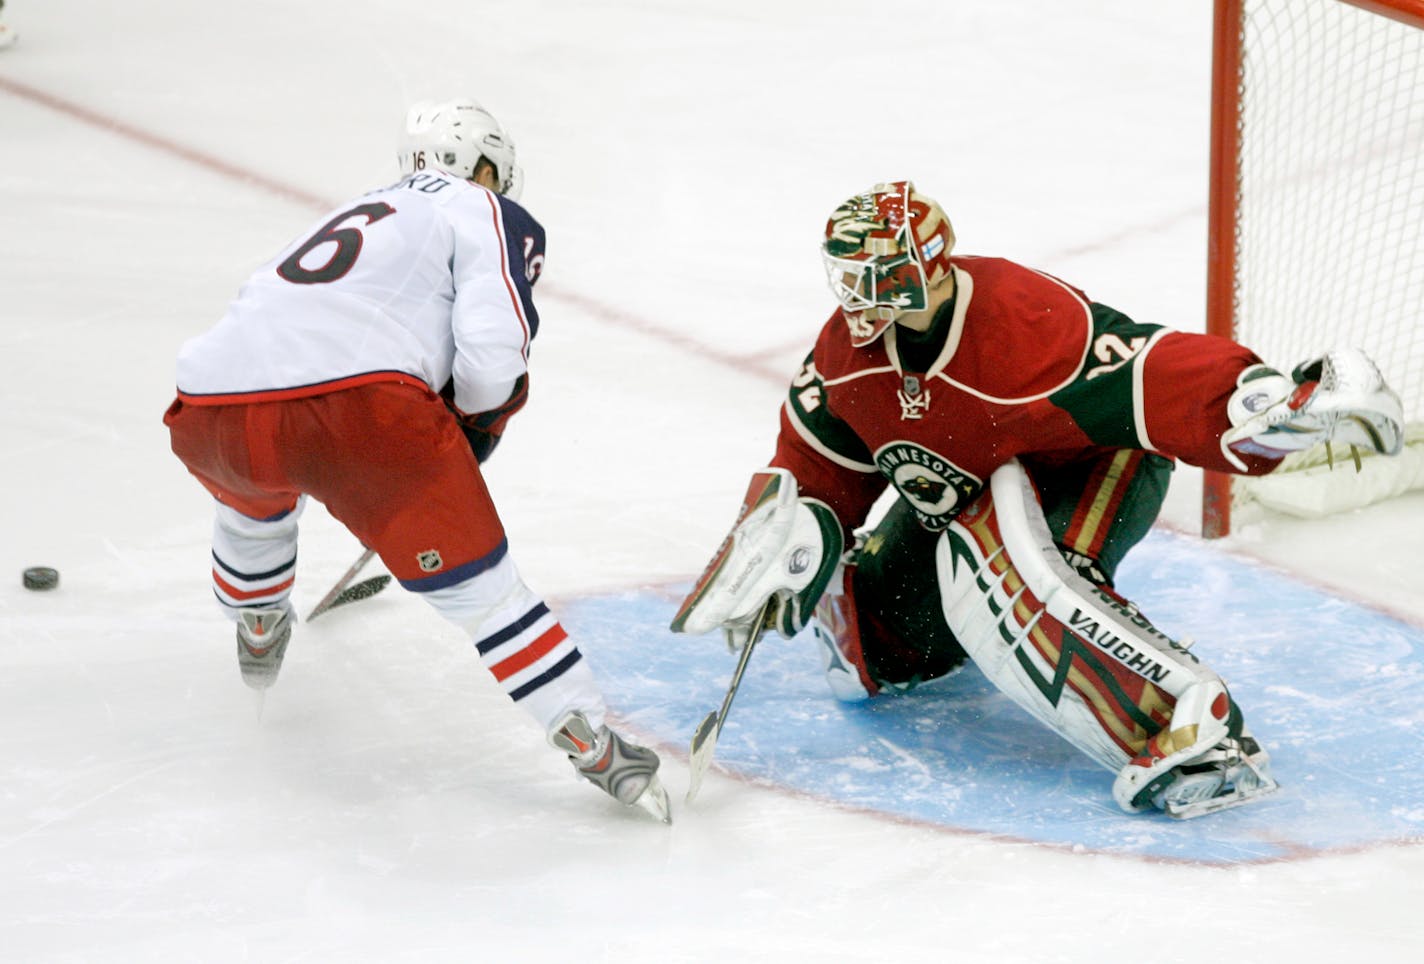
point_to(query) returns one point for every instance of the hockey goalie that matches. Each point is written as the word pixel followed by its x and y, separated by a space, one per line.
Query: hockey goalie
pixel 1029 433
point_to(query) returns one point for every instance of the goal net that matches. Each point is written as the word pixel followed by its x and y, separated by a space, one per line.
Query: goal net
pixel 1317 220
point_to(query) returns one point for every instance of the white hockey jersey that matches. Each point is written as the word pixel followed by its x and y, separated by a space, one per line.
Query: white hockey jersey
pixel 429 278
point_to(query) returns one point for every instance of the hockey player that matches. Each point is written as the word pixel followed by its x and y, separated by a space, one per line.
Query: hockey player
pixel 1029 433
pixel 372 365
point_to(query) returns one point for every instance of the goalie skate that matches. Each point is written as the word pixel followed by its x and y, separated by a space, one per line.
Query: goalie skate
pixel 627 773
pixel 1232 773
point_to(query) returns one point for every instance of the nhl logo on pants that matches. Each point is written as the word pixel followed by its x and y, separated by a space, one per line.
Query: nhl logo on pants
pixel 429 560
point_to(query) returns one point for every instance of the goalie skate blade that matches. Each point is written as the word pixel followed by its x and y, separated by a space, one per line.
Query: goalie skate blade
pixel 654 799
pixel 699 757
pixel 1226 801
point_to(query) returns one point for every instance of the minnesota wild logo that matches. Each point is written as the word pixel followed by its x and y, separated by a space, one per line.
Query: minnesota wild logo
pixel 934 486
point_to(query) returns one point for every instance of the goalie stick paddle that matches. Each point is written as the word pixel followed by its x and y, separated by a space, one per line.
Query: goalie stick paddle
pixel 704 741
pixel 343 592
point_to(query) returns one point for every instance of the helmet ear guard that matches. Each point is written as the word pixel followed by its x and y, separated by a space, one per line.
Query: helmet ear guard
pixel 883 250
pixel 454 136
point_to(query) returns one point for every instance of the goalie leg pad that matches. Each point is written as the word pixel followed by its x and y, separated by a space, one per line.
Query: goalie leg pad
pixel 1070 653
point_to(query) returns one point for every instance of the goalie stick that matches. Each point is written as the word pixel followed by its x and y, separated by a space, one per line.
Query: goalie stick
pixel 343 592
pixel 704 741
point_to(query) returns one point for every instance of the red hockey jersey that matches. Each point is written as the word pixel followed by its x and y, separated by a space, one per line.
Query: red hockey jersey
pixel 1029 368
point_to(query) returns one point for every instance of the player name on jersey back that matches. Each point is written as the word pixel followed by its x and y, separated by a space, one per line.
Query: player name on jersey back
pixel 396 284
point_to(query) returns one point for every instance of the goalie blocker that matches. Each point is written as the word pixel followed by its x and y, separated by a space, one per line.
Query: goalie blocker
pixel 1088 666
pixel 782 550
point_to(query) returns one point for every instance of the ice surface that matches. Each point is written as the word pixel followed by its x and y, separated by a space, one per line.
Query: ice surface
pixel 958 755
pixel 390 804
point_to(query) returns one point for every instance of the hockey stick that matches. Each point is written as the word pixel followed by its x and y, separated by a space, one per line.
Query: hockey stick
pixel 343 593
pixel 704 741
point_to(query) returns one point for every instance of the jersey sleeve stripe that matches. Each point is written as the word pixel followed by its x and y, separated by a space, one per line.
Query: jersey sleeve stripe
pixel 1139 410
pixel 509 284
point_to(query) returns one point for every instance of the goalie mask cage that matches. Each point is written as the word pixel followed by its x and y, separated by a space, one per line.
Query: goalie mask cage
pixel 1316 224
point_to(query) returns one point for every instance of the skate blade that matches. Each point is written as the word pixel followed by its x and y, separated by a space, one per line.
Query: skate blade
pixel 1226 801
pixel 258 684
pixel 699 757
pixel 654 799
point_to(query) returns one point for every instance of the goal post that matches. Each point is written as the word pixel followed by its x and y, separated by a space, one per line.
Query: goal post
pixel 1316 218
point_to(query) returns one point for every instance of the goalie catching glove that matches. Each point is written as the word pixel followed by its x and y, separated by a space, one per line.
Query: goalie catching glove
pixel 1338 397
pixel 772 567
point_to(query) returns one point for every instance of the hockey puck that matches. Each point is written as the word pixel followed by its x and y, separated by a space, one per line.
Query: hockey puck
pixel 40 577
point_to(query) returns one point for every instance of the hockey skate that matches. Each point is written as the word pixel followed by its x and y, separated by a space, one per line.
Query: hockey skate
pixel 627 773
pixel 1235 771
pixel 262 637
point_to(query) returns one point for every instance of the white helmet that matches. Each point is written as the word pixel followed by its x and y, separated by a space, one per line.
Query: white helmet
pixel 453 136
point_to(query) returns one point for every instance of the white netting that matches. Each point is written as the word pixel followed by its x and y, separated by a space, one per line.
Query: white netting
pixel 1330 227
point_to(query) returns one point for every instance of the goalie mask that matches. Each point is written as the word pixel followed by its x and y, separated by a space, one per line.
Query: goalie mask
pixel 455 136
pixel 883 251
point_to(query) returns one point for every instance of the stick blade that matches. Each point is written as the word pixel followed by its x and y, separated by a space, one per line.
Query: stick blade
pixel 699 757
pixel 364 589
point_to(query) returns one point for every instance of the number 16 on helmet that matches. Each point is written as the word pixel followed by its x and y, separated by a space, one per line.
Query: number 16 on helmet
pixel 454 136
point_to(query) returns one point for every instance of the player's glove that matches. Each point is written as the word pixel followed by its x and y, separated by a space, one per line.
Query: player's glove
pixel 782 551
pixel 483 430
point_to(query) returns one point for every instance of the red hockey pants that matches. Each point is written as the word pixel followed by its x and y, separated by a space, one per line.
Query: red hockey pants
pixel 386 459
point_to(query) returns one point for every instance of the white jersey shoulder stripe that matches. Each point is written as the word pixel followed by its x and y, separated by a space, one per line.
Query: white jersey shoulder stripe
pixel 1073 374
pixel 862 373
